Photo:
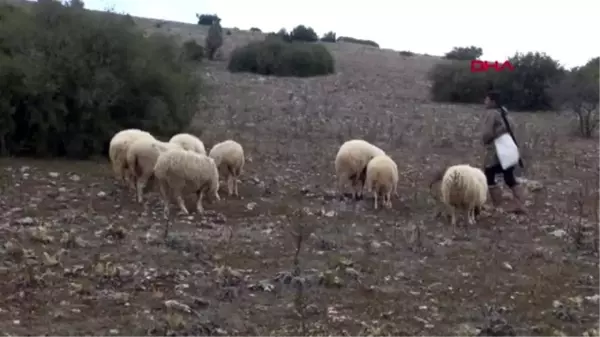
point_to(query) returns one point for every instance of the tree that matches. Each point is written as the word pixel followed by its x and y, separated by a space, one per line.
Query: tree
pixel 579 93
pixel 214 39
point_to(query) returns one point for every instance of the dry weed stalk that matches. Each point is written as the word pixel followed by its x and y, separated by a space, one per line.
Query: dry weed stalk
pixel 300 233
pixel 578 232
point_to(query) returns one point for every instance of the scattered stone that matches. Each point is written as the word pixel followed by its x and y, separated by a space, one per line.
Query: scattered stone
pixel 75 178
pixel 559 233
pixel 507 266
pixel 26 221
pixel 53 174
pixel 172 304
pixel 250 206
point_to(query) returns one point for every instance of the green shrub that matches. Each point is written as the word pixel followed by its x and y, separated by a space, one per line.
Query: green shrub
pixel 453 81
pixel 279 58
pixel 254 29
pixel 358 41
pixel 329 37
pixel 71 78
pixel 407 53
pixel 207 19
pixel 464 53
pixel 302 33
pixel 526 88
pixel 214 40
pixel 193 51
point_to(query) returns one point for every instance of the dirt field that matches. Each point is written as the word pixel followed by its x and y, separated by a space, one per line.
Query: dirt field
pixel 81 257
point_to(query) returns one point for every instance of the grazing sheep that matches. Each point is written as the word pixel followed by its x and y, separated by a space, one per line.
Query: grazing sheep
pixel 117 151
pixel 382 179
pixel 141 159
pixel 180 172
pixel 464 187
pixel 229 157
pixel 188 142
pixel 351 164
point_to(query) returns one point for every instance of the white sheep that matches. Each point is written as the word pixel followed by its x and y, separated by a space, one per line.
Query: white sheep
pixel 141 159
pixel 180 172
pixel 117 151
pixel 382 179
pixel 351 164
pixel 463 187
pixel 229 157
pixel 188 142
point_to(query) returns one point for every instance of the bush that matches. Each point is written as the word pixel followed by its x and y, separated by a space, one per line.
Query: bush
pixel 254 29
pixel 302 33
pixel 358 41
pixel 407 53
pixel 281 35
pixel 526 88
pixel 279 58
pixel 192 51
pixel 71 78
pixel 578 92
pixel 214 40
pixel 464 53
pixel 454 82
pixel 329 37
pixel 208 19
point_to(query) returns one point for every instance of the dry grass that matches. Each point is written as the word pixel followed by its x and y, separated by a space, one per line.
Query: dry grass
pixel 80 257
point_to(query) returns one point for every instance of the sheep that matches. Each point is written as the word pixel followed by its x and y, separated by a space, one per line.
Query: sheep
pixel 229 157
pixel 179 172
pixel 140 160
pixel 351 164
pixel 117 150
pixel 188 142
pixel 465 187
pixel 382 179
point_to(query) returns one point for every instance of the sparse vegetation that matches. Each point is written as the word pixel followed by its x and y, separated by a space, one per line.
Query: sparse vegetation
pixel 329 37
pixel 464 53
pixel 208 19
pixel 275 57
pixel 527 88
pixel 254 29
pixel 71 78
pixel 406 53
pixel 358 41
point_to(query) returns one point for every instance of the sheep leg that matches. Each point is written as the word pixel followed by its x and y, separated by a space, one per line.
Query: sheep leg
pixel 452 213
pixel 199 207
pixel 389 199
pixel 181 204
pixel 165 199
pixel 471 216
pixel 375 199
pixel 230 184
pixel 235 186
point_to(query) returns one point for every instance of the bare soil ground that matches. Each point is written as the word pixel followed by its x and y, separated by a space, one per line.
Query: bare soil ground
pixel 81 257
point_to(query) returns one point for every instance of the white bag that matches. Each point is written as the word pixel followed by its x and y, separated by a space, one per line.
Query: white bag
pixel 507 151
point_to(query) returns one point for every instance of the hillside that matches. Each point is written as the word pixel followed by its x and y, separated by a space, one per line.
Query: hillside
pixel 81 257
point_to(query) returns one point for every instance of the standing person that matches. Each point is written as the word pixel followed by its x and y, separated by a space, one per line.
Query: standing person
pixel 494 126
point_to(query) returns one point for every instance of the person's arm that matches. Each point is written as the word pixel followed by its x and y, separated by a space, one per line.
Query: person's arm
pixel 493 127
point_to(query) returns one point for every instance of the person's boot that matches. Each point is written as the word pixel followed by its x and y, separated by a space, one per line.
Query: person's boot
pixel 496 195
pixel 518 200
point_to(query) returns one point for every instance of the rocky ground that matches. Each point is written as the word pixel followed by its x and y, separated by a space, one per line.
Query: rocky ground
pixel 79 256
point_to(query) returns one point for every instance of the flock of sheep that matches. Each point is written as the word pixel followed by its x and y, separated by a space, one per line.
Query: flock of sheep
pixel 182 167
pixel 366 166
